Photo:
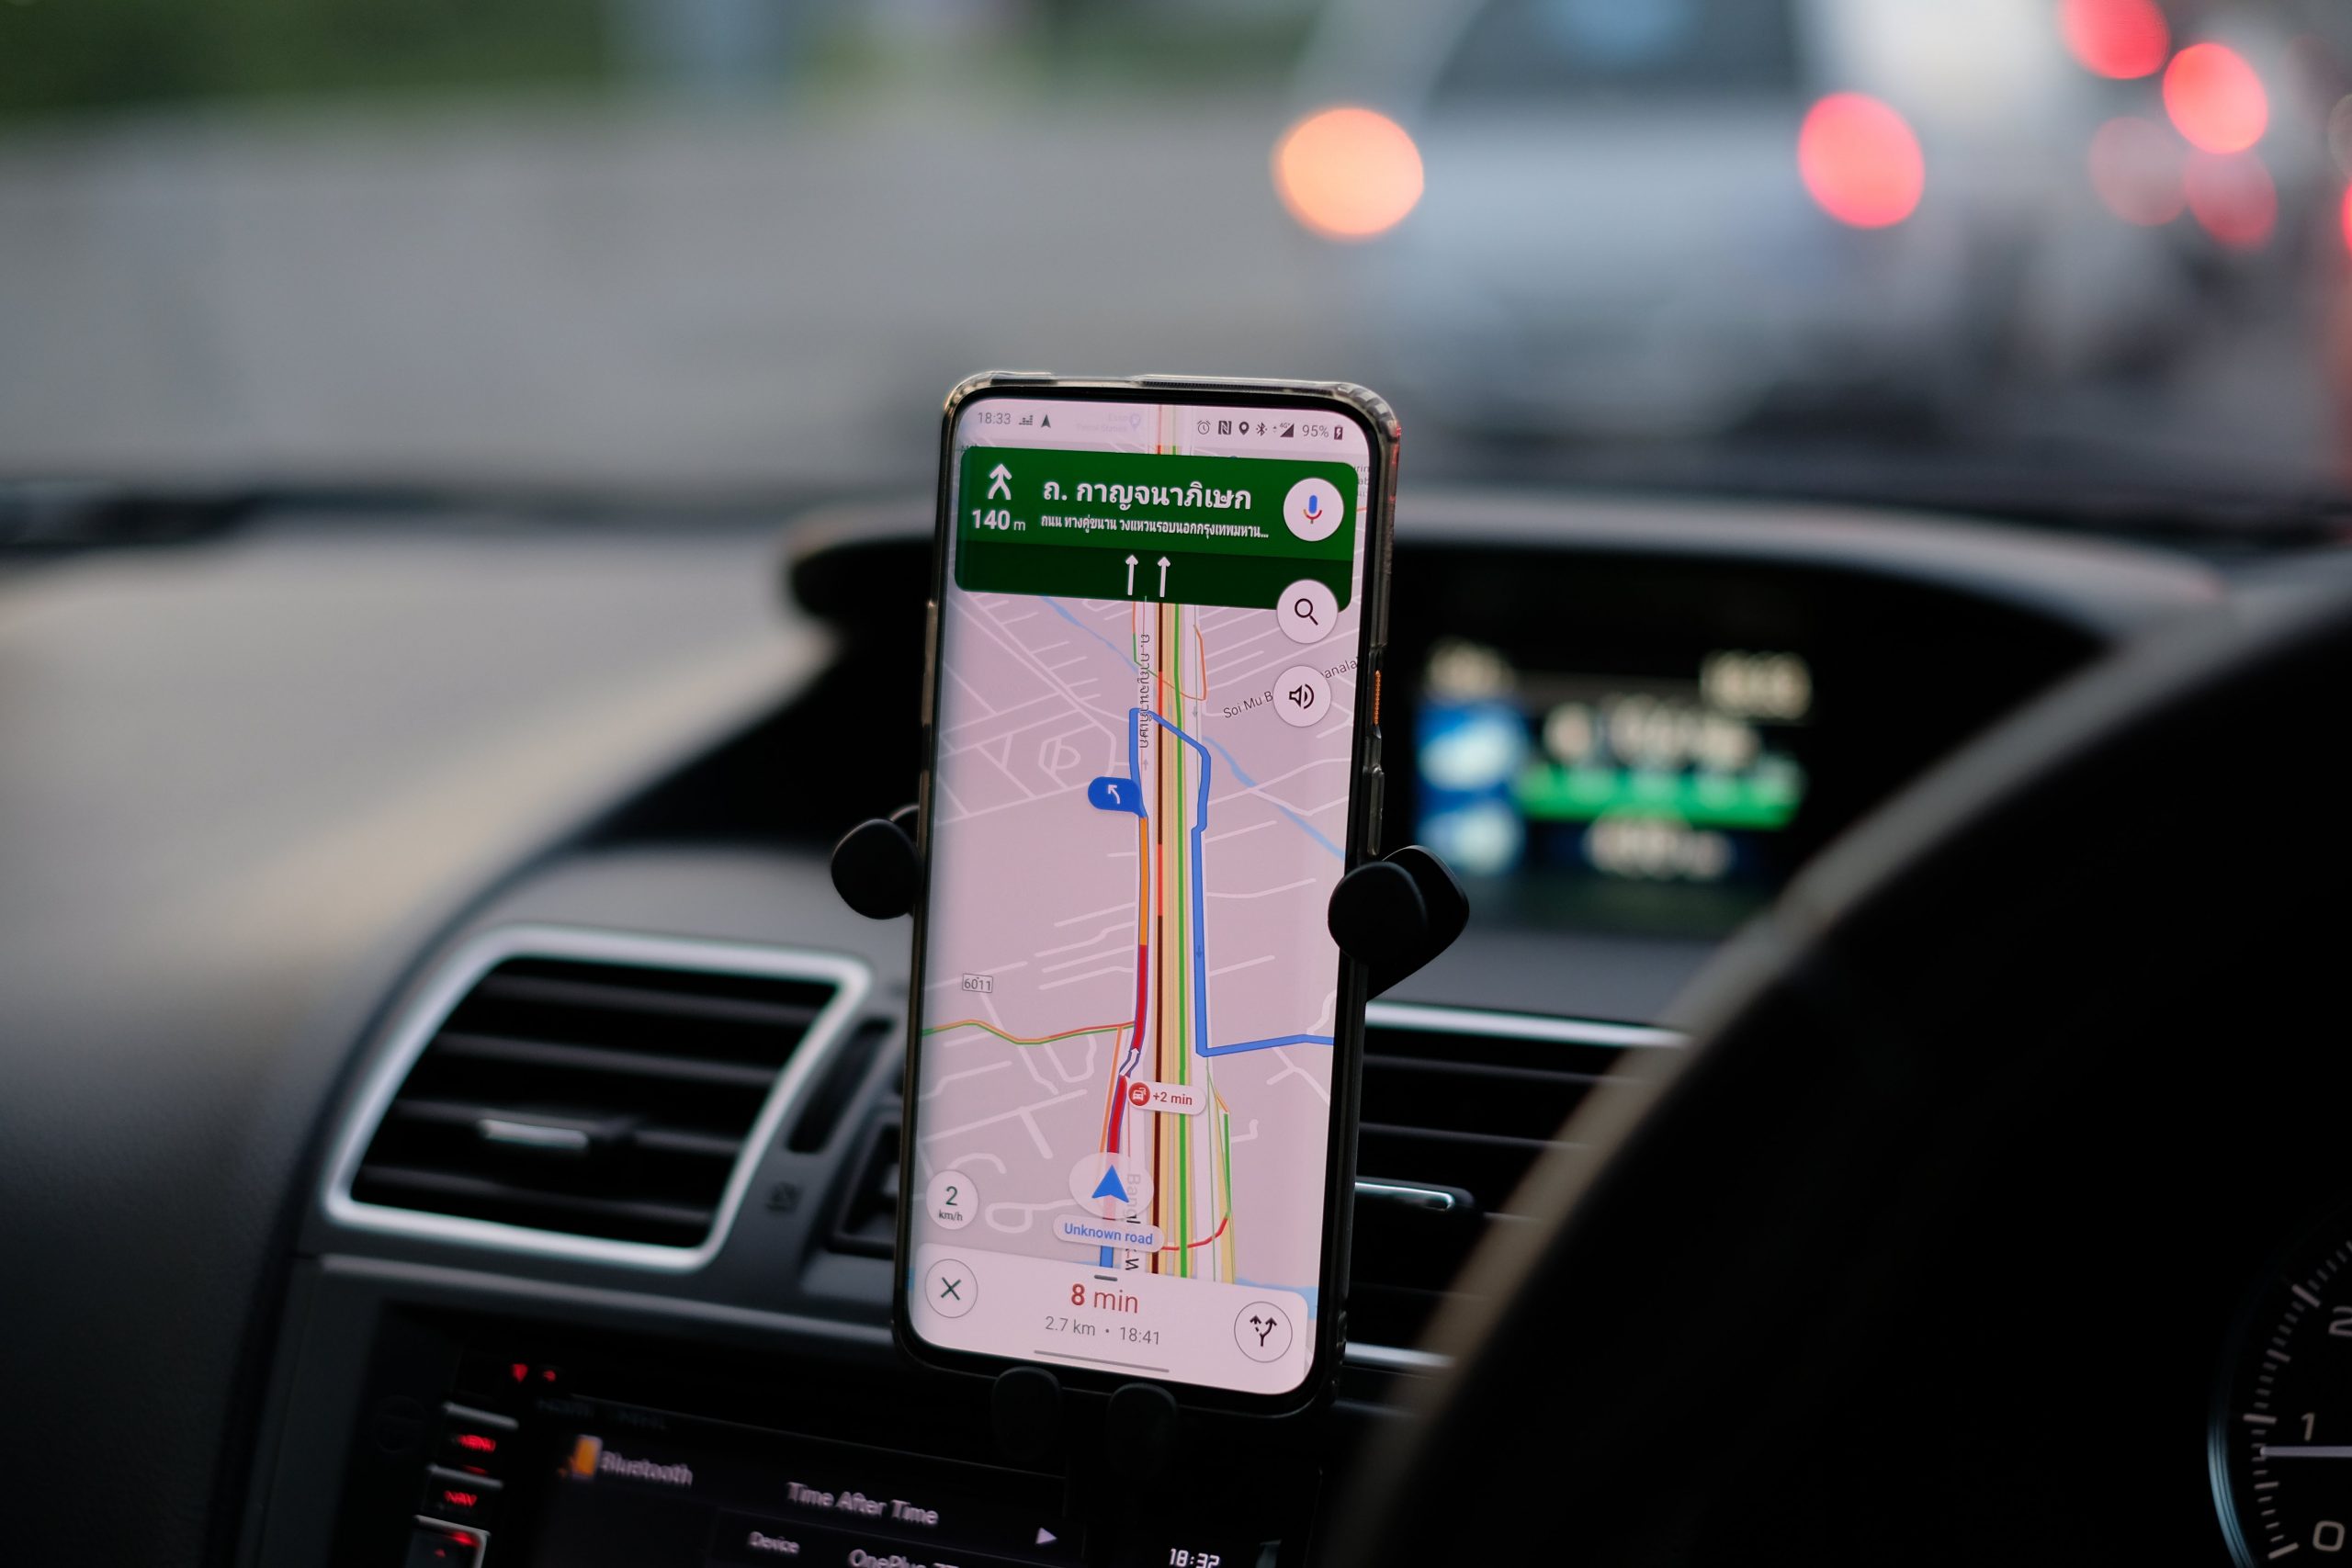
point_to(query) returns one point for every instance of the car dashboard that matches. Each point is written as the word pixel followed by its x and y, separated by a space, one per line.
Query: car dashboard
pixel 473 1120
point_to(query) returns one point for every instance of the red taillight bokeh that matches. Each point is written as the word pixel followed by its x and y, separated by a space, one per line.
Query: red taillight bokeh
pixel 1861 160
pixel 2233 197
pixel 1348 172
pixel 2135 167
pixel 2115 38
pixel 2215 99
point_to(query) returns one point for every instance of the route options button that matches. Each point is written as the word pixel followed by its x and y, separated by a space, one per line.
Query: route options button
pixel 949 1287
pixel 1301 696
pixel 1262 1330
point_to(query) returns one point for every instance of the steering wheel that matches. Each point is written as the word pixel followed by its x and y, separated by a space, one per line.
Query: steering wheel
pixel 1889 1266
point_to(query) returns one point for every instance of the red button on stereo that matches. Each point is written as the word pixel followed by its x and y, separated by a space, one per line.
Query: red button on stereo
pixel 473 1440
pixel 453 1494
pixel 475 1450
pixel 436 1545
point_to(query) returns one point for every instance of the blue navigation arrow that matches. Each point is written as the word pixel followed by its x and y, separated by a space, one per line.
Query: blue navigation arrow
pixel 1110 1186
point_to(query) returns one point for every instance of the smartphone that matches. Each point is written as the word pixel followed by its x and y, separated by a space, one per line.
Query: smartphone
pixel 1151 731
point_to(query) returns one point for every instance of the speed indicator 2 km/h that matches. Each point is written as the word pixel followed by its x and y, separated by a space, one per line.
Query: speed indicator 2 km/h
pixel 2280 1448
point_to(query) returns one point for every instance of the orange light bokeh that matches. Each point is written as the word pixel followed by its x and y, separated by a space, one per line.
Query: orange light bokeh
pixel 1861 160
pixel 2135 167
pixel 2121 39
pixel 1348 172
pixel 2215 99
pixel 2233 196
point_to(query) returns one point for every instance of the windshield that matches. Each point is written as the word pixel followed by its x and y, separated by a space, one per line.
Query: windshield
pixel 736 246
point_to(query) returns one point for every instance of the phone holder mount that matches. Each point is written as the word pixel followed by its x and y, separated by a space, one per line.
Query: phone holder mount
pixel 1392 914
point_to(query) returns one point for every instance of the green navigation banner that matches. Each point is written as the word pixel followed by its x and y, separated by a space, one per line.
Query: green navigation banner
pixel 1153 525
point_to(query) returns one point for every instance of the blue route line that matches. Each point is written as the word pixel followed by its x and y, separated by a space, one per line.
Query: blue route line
pixel 1301 823
pixel 1200 919
pixel 1265 1045
pixel 1200 827
pixel 1135 715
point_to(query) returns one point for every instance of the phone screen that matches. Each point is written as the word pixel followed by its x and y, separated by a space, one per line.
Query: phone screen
pixel 1129 1005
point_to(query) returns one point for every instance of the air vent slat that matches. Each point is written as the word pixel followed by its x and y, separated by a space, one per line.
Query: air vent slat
pixel 615 997
pixel 626 1219
pixel 591 1059
pixel 471 1113
pixel 1528 1146
pixel 1480 1072
pixel 694 1145
pixel 600 1100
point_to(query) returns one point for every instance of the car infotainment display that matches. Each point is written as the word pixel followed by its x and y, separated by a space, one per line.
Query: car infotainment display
pixel 625 1488
pixel 1584 787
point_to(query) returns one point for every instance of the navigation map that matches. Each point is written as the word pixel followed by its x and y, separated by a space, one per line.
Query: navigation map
pixel 1139 806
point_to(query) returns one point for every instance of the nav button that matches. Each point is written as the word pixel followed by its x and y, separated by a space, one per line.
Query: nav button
pixel 458 1497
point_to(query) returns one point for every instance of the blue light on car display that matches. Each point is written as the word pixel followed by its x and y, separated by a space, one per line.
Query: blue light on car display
pixel 1470 755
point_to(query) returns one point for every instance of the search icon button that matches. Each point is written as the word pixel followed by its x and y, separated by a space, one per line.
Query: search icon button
pixel 1306 610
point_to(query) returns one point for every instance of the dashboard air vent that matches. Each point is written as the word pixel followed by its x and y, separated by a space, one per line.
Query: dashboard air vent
pixel 867 1219
pixel 1457 1106
pixel 592 1093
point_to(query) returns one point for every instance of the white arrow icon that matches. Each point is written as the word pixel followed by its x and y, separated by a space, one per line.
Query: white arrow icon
pixel 1131 576
pixel 998 489
pixel 1163 577
pixel 1045 1536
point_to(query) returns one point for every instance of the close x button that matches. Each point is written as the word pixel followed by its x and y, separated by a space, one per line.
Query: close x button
pixel 453 1494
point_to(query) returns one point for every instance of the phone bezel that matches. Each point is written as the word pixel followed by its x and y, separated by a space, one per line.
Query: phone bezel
pixel 1379 424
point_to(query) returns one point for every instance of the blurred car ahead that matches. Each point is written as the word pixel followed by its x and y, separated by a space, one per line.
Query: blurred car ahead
pixel 1662 218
